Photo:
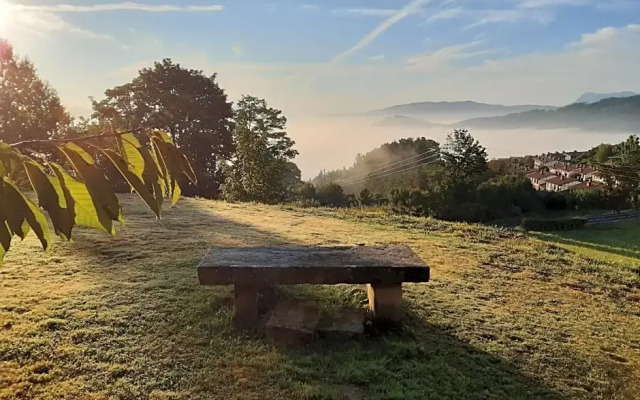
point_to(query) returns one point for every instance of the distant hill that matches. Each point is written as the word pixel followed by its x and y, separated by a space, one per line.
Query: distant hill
pixel 401 121
pixel 590 97
pixel 611 114
pixel 453 110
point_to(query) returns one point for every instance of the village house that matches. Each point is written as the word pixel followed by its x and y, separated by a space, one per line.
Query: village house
pixel 539 178
pixel 584 173
pixel 564 169
pixel 555 172
pixel 561 184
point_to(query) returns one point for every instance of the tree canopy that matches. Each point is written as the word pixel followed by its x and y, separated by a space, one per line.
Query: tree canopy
pixel 261 169
pixel 29 108
pixel 190 106
pixel 401 163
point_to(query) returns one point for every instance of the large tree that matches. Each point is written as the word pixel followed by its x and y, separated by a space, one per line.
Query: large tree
pixel 29 108
pixel 623 173
pixel 261 169
pixel 463 156
pixel 186 103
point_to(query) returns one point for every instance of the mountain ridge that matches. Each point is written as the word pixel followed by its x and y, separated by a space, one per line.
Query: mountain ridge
pixel 463 109
pixel 615 113
pixel 591 97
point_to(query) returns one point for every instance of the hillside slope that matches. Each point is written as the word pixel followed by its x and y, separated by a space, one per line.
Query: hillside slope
pixel 504 317
pixel 453 109
pixel 590 97
pixel 613 114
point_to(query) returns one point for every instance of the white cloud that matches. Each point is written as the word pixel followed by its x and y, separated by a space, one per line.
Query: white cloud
pixel 237 50
pixel 447 57
pixel 128 6
pixel 511 16
pixel 376 58
pixel 553 3
pixel 449 13
pixel 370 12
pixel 42 23
pixel 462 71
pixel 411 8
pixel 619 5
pixel 45 19
pixel 481 17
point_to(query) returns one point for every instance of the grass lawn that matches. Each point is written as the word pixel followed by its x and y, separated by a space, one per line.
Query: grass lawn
pixel 620 241
pixel 505 316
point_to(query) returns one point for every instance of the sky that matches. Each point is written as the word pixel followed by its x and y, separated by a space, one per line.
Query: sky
pixel 338 56
pixel 314 58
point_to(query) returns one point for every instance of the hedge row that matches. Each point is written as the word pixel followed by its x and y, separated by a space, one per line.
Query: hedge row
pixel 558 224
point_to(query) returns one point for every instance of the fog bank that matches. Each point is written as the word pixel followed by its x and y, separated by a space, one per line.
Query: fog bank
pixel 332 143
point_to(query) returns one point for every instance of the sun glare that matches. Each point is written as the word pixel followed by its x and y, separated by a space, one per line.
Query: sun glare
pixel 4 15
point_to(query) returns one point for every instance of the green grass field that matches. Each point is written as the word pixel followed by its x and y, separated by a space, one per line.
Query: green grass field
pixel 619 242
pixel 505 316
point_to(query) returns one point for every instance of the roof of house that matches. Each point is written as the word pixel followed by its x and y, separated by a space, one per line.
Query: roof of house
pixel 567 167
pixel 539 174
pixel 586 170
pixel 560 181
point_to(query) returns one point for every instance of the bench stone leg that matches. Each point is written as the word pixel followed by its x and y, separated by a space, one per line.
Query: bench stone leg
pixel 246 307
pixel 385 300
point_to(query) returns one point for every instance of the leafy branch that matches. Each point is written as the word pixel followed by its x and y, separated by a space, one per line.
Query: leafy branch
pixel 81 195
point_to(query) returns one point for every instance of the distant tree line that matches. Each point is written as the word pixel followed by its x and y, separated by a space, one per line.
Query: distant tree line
pixel 460 184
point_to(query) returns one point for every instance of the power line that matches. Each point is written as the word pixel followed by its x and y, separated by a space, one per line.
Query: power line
pixel 392 173
pixel 389 170
pixel 389 165
pixel 394 169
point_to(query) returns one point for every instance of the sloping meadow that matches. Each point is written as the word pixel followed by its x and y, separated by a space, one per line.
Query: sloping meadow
pixel 505 315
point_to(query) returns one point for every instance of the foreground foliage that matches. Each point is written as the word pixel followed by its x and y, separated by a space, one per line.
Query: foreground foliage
pixel 73 189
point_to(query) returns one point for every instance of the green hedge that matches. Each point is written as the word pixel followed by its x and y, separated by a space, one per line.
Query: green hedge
pixel 558 224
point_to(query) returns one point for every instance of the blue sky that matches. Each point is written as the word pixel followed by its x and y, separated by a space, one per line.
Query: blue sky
pixel 332 56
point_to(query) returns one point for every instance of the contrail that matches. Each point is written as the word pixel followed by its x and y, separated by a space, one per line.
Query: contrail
pixel 409 9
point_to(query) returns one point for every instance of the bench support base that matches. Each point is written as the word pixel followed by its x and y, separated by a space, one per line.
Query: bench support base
pixel 245 314
pixel 385 300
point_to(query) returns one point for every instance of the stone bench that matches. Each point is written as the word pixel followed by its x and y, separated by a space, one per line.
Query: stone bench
pixel 251 269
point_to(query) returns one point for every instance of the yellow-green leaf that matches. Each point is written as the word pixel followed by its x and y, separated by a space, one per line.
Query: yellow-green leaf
pixel 5 238
pixel 80 201
pixel 171 165
pixel 179 159
pixel 96 183
pixel 160 155
pixel 130 150
pixel 14 210
pixel 185 166
pixel 163 135
pixel 51 199
pixel 176 194
pixel 134 180
pixel 80 151
pixel 31 213
pixel 152 174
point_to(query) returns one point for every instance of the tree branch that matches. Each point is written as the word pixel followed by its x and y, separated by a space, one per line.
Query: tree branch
pixel 78 139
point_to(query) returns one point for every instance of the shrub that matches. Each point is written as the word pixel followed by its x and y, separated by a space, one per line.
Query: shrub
pixel 558 224
pixel 554 200
pixel 331 195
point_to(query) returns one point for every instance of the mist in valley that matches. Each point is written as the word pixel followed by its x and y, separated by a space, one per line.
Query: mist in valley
pixel 329 143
